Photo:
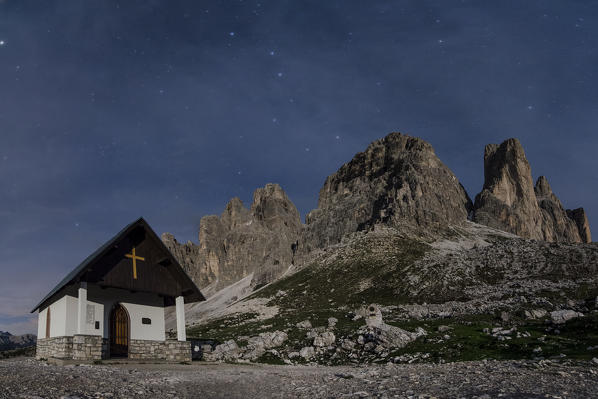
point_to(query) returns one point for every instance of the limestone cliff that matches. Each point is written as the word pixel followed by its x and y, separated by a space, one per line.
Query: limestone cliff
pixel 509 200
pixel 397 181
pixel 260 240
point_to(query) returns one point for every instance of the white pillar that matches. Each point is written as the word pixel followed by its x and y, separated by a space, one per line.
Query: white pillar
pixel 82 308
pixel 181 334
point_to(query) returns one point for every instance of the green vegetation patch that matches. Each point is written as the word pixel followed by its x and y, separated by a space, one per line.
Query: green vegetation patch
pixel 371 272
pixel 576 339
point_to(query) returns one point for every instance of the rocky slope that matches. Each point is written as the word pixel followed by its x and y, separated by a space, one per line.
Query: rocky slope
pixel 384 296
pixel 397 181
pixel 509 200
pixel 10 342
pixel 260 241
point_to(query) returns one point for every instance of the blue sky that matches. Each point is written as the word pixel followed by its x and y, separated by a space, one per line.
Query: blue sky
pixel 166 109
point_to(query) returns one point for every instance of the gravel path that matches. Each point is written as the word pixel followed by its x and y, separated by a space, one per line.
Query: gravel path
pixel 28 378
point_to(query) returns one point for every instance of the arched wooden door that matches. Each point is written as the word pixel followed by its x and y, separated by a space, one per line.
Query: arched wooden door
pixel 119 332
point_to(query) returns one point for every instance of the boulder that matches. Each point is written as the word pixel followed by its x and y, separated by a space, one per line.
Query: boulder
pixel 371 313
pixel 305 324
pixel 562 316
pixel 535 313
pixel 389 336
pixel 258 345
pixel 324 339
pixel 228 351
pixel 307 352
pixel 348 344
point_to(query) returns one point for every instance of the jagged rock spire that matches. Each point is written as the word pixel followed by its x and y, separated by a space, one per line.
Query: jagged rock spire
pixel 509 200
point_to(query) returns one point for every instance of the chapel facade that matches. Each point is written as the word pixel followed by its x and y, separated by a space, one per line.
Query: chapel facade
pixel 112 305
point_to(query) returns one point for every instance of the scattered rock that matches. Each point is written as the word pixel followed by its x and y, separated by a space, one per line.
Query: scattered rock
pixel 562 316
pixel 324 339
pixel 228 351
pixel 348 344
pixel 535 314
pixel 307 352
pixel 305 324
pixel 332 322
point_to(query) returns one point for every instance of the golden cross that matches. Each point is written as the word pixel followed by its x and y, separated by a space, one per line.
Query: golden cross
pixel 134 257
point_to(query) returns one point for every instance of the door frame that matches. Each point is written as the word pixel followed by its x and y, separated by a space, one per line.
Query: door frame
pixel 112 328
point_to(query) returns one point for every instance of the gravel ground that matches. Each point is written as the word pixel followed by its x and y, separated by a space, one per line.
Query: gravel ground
pixel 28 378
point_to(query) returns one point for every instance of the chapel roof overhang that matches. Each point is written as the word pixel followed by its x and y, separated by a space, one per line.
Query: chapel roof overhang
pixel 114 265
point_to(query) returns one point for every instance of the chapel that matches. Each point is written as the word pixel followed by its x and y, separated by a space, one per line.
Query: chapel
pixel 112 305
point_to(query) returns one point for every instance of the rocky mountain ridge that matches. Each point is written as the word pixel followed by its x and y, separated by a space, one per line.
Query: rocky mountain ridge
pixel 259 241
pixel 9 341
pixel 397 182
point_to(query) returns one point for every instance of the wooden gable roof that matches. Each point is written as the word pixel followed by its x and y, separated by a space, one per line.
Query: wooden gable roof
pixel 111 265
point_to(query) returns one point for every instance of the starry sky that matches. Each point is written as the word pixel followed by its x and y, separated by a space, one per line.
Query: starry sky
pixel 111 110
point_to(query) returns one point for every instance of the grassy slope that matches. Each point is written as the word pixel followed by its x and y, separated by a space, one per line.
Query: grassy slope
pixel 376 269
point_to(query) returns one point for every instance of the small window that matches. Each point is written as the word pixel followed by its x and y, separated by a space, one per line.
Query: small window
pixel 97 325
pixel 146 320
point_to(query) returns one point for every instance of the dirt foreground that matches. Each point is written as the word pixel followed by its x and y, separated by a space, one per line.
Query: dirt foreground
pixel 28 378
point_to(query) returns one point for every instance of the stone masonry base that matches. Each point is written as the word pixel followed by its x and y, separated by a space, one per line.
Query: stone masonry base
pixel 172 351
pixel 92 347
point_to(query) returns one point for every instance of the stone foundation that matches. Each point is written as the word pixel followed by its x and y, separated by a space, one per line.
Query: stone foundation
pixel 93 347
pixel 178 351
pixel 172 351
pixel 58 347
pixel 89 347
pixel 145 349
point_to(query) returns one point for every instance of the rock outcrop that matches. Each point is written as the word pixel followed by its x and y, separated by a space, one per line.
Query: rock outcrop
pixel 261 240
pixel 509 201
pixel 397 181
pixel 581 220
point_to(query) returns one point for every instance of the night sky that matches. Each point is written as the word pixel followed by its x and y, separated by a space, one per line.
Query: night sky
pixel 167 109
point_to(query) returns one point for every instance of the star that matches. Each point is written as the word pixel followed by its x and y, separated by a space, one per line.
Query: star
pixel 279 74
pixel 2 42
pixel 338 137
pixel 231 33
pixel 272 52
pixel 530 107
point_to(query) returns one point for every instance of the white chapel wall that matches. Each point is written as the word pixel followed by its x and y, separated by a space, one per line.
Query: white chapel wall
pixel 58 317
pixel 41 323
pixel 94 312
pixel 154 331
pixel 139 305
